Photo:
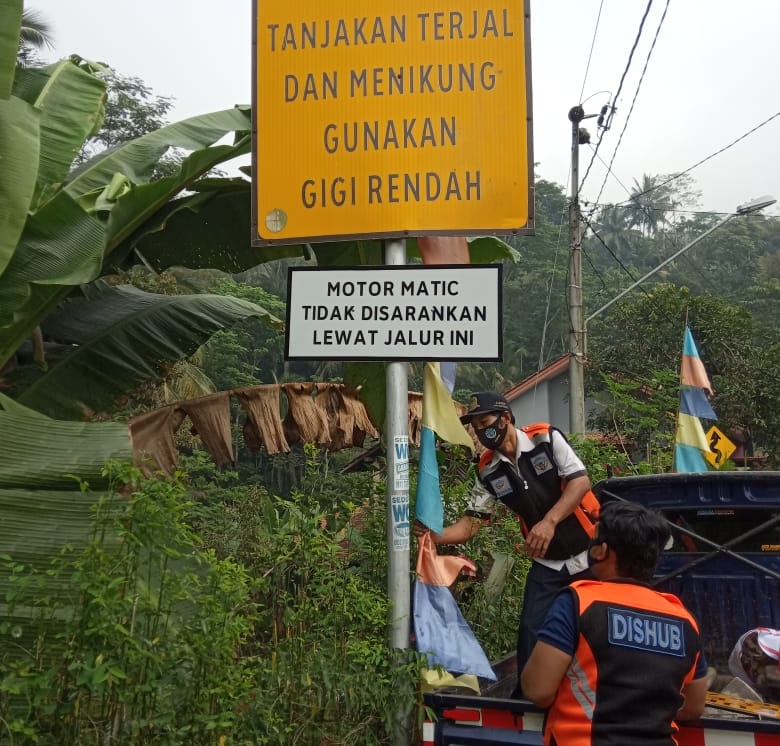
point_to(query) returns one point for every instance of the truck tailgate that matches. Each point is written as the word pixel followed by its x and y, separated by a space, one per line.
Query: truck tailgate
pixel 468 720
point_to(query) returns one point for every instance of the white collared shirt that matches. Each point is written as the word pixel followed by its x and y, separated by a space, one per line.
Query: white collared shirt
pixel 569 465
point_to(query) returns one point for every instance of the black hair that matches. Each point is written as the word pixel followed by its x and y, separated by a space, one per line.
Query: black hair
pixel 636 534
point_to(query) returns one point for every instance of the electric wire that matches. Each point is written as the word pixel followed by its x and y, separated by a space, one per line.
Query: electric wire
pixel 632 198
pixel 592 46
pixel 709 157
pixel 611 253
pixel 550 284
pixel 628 272
pixel 560 227
pixel 596 271
pixel 633 101
pixel 677 210
pixel 617 95
pixel 611 173
pixel 698 270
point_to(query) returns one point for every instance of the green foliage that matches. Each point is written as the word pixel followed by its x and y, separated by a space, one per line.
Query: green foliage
pixel 34 34
pixel 640 413
pixel 144 650
pixel 323 671
pixel 240 618
pixel 604 459
pixel 250 353
pixel 637 354
pixel 132 110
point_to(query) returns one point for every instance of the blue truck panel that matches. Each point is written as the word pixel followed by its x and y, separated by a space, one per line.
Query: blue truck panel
pixel 725 560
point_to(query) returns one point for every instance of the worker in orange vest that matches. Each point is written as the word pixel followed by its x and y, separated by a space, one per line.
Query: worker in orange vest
pixel 616 661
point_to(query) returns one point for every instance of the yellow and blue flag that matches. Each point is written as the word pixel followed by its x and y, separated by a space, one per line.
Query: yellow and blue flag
pixel 439 417
pixel 441 631
pixel 695 388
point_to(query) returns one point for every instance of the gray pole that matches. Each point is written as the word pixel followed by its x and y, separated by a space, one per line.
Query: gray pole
pixel 398 518
pixel 576 324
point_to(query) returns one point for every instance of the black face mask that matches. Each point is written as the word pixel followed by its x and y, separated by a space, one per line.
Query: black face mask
pixel 491 436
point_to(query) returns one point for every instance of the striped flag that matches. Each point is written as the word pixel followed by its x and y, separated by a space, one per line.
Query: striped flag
pixel 438 418
pixel 440 630
pixel 695 388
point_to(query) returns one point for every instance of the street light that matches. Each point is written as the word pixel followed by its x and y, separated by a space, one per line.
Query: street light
pixel 749 207
pixel 577 407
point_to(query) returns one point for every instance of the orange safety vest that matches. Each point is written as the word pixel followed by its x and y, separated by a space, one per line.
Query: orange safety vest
pixel 636 649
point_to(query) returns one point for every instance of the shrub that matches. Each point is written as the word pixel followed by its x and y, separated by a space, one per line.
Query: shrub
pixel 143 650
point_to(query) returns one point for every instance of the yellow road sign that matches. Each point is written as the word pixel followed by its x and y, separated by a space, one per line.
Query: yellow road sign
pixel 721 447
pixel 390 118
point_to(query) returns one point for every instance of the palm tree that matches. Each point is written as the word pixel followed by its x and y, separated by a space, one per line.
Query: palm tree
pixel 649 202
pixel 35 34
pixel 614 229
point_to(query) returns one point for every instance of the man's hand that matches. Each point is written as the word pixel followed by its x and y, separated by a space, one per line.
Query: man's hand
pixel 462 530
pixel 539 538
pixel 419 529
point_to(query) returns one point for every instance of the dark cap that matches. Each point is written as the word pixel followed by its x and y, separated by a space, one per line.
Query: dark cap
pixel 483 402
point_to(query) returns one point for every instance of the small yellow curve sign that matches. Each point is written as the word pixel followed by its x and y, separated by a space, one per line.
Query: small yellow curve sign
pixel 721 447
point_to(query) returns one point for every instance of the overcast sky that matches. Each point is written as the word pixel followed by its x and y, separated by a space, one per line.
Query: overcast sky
pixel 712 77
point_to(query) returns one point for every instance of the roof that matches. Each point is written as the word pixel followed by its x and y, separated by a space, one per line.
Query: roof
pixel 552 370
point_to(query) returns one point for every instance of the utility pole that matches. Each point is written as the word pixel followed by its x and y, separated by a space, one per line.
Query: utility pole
pixel 576 324
pixel 398 554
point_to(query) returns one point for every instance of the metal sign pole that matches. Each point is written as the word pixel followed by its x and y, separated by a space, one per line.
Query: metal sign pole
pixel 398 519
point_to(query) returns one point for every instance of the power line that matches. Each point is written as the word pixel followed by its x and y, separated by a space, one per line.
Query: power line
pixel 548 304
pixel 677 210
pixel 617 95
pixel 709 157
pixel 611 253
pixel 596 271
pixel 592 45
pixel 633 101
pixel 624 268
pixel 611 173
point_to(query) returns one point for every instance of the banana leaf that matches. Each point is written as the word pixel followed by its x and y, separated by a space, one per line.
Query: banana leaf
pixel 19 147
pixel 71 100
pixel 63 244
pixel 125 336
pixel 37 525
pixel 136 159
pixel 40 453
pixel 42 126
pixel 10 28
pixel 210 228
pixel 51 474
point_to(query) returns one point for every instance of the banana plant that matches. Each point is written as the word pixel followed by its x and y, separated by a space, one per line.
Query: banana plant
pixel 61 228
pixel 118 336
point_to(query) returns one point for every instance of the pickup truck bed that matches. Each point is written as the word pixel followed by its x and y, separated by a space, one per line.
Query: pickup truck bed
pixel 725 565
pixel 492 719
